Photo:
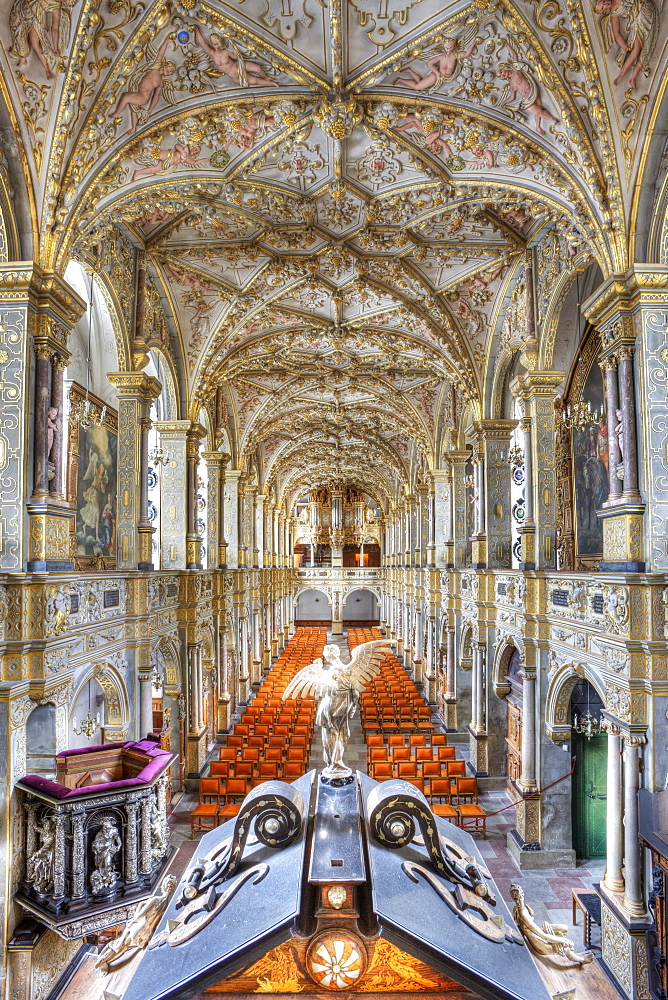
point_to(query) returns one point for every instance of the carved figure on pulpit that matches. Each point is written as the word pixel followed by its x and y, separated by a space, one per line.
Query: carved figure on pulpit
pixel 550 939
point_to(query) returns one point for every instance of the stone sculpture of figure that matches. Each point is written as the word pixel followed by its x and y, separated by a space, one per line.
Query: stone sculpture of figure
pixel 228 60
pixel 139 931
pixel 337 687
pixel 106 845
pixel 521 90
pixel 51 428
pixel 148 88
pixel 442 67
pixel 28 25
pixel 642 23
pixel 619 431
pixel 40 865
pixel 158 841
pixel 550 939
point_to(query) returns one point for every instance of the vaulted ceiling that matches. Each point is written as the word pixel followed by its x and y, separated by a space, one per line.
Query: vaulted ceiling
pixel 335 198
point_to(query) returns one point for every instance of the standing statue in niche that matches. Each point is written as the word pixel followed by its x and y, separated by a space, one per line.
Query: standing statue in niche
pixel 106 845
pixel 337 686
pixel 40 865
pixel 550 939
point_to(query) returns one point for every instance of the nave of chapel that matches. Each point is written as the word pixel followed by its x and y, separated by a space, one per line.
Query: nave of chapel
pixel 321 324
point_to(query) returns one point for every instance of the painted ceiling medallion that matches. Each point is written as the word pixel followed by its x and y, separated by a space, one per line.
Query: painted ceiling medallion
pixel 336 960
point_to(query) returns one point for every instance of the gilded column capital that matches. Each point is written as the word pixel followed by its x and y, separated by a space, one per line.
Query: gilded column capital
pixel 136 384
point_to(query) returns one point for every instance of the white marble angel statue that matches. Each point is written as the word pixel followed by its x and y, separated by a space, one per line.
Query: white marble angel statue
pixel 337 686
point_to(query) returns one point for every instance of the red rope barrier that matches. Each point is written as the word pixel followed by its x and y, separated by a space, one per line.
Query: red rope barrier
pixel 533 795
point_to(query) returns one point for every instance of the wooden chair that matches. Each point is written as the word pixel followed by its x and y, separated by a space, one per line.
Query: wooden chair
pixel 439 792
pixel 233 791
pixel 270 770
pixel 406 771
pixel 446 753
pixel 382 770
pixel 205 814
pixel 396 740
pixel 439 739
pixel 219 769
pixel 401 754
pixel 227 753
pixel 417 740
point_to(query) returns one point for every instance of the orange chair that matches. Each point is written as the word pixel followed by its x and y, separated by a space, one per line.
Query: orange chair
pixel 374 740
pixel 234 791
pixel 256 742
pixel 456 769
pixel 242 769
pixel 417 740
pixel 407 771
pixel 446 753
pixel 439 739
pixel 381 771
pixel 396 740
pixel 219 769
pixel 401 754
pixel 227 753
pixel 270 770
pixel 235 741
pixel 292 769
pixel 422 755
pixel 471 813
pixel 295 753
pixel 439 789
pixel 205 814
pixel 377 755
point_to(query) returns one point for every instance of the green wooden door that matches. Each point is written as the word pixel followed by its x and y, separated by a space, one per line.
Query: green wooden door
pixel 589 795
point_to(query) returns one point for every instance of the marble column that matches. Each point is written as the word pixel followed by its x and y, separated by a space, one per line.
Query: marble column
pixel 528 773
pixel 628 408
pixel 224 698
pixel 614 880
pixel 609 368
pixel 43 355
pixel 475 679
pixel 244 674
pixel 136 391
pixel 450 665
pixel 145 705
pixel 193 537
pixel 634 902
pixel 144 527
pixel 58 403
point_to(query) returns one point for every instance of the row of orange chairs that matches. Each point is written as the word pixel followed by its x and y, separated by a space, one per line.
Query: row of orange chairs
pixel 278 747
pixel 392 702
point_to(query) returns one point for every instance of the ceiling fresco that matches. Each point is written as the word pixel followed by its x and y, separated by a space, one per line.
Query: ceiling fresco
pixel 335 197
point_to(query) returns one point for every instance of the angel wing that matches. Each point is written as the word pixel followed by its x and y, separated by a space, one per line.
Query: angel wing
pixel 365 662
pixel 311 680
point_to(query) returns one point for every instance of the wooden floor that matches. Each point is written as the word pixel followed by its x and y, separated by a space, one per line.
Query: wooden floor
pixel 588 983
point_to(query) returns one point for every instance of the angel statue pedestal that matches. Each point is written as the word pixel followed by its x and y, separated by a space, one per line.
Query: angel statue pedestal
pixel 337 686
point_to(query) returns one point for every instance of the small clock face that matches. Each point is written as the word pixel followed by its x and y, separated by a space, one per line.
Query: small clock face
pixel 336 960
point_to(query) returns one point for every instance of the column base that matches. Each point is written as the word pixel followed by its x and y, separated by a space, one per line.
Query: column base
pixel 145 565
pixel 194 566
pixel 606 566
pixel 51 527
pixel 623 527
pixel 479 552
pixel 529 853
pixel 624 949
pixel 337 628
pixel 478 749
pixel 49 566
pixel 527 565
pixel 195 753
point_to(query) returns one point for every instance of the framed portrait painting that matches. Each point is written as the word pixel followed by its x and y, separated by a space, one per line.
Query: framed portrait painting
pixel 92 479
pixel 591 475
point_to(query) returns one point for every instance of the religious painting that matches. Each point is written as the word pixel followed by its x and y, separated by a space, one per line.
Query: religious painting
pixel 92 475
pixel 591 482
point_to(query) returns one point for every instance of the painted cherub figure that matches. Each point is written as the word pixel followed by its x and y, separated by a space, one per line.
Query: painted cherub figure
pixel 428 134
pixel 30 31
pixel 228 60
pixel 521 90
pixel 443 66
pixel 642 23
pixel 149 87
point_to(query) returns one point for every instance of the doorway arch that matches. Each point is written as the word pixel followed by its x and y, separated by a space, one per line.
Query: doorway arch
pixel 361 605
pixel 589 784
pixel 313 606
